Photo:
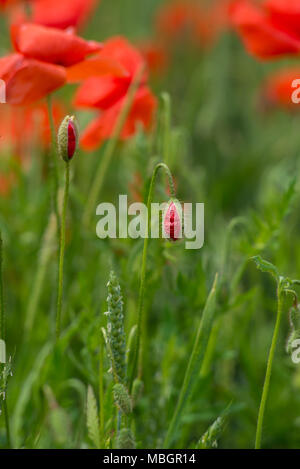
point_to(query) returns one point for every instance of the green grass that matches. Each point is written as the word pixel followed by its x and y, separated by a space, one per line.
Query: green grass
pixel 196 389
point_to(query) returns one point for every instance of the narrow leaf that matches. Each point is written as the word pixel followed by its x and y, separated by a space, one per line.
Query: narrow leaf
pixel 92 418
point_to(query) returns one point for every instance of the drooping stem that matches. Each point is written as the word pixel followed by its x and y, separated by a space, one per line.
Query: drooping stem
pixel 2 337
pixel 266 386
pixel 137 351
pixel 53 163
pixel 110 148
pixel 62 251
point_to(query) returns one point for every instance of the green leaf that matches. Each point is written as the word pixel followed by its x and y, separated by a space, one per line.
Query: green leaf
pixel 266 266
pixel 92 419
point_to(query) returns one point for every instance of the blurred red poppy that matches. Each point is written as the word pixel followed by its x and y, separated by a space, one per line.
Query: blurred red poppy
pixel 51 45
pixel 102 127
pixel 286 12
pixel 60 14
pixel 7 3
pixel 107 93
pixel 38 67
pixel 155 55
pixel 198 22
pixel 265 36
pixel 28 80
pixel 63 13
pixel 26 126
pixel 279 88
pixel 102 92
pixel 21 130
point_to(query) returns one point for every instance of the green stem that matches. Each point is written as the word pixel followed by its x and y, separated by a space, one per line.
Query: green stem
pixel 101 394
pixel 6 417
pixel 137 351
pixel 2 311
pixel 62 251
pixel 2 337
pixel 44 258
pixel 266 386
pixel 196 360
pixel 110 149
pixel 53 163
pixel 166 122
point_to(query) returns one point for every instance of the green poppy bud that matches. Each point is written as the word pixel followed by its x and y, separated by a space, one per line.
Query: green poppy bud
pixel 67 140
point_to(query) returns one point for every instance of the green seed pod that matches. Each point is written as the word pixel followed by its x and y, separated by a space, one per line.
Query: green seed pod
pixel 137 389
pixel 67 139
pixel 115 328
pixel 122 398
pixel 125 439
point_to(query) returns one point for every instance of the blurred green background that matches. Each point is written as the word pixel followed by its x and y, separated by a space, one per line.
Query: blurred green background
pixel 242 161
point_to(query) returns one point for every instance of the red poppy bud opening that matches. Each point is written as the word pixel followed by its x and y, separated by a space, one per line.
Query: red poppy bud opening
pixel 172 221
pixel 68 138
pixel 72 139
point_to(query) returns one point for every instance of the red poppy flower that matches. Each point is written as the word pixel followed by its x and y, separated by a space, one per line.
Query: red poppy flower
pixel 102 127
pixel 279 88
pixel 285 12
pixel 62 13
pixel 262 36
pixel 103 92
pixel 51 45
pixel 28 80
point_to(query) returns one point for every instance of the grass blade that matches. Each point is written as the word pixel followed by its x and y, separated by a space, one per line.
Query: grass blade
pixel 196 360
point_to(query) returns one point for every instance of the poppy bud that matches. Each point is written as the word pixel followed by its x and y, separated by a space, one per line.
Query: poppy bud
pixel 68 138
pixel 172 220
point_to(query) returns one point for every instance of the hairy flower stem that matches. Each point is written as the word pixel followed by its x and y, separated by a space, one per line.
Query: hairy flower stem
pixel 110 149
pixel 53 163
pixel 62 251
pixel 137 352
pixel 101 393
pixel 2 337
pixel 266 386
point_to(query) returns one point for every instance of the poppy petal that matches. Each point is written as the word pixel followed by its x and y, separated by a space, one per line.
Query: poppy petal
pixel 261 37
pixel 28 80
pixel 100 92
pixel 51 44
pixel 62 14
pixel 102 127
pixel 95 66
